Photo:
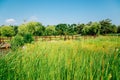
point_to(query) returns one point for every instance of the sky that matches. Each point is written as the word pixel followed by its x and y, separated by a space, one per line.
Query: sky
pixel 52 12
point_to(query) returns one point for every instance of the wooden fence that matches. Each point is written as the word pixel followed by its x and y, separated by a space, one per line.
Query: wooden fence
pixel 5 39
pixel 49 38
pixel 43 38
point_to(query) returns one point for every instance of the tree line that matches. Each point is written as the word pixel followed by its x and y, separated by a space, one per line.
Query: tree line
pixel 37 29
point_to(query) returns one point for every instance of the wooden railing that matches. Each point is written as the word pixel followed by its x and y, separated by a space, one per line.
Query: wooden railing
pixel 5 39
pixel 49 38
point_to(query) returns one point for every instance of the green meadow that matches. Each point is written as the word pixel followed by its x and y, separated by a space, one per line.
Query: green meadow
pixel 83 59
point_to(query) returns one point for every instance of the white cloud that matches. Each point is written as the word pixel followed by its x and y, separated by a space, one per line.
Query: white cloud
pixel 10 21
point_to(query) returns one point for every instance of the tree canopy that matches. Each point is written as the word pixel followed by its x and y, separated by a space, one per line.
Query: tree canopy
pixel 7 31
pixel 34 28
pixel 37 29
pixel 50 30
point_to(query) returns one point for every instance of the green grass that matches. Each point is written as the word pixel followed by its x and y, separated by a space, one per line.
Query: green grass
pixel 89 59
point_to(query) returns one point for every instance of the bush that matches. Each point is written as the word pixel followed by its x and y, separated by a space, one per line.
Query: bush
pixel 16 42
pixel 7 31
pixel 28 38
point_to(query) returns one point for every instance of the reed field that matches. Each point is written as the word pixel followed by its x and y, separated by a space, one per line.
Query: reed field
pixel 83 59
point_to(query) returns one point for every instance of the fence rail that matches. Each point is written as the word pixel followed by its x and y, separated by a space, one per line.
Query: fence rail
pixel 49 38
pixel 44 38
pixel 5 39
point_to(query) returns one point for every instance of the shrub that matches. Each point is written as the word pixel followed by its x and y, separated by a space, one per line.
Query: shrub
pixel 7 31
pixel 28 38
pixel 19 40
pixel 16 42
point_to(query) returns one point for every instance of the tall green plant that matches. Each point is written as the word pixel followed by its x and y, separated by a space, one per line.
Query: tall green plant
pixel 28 38
pixel 16 42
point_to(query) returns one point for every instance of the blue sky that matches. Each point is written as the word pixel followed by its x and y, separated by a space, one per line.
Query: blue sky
pixel 50 12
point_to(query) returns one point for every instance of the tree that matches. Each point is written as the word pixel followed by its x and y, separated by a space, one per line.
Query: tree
pixel 15 27
pixel 22 29
pixel 50 30
pixel 79 28
pixel 34 28
pixel 105 26
pixel 89 23
pixel 113 29
pixel 71 29
pixel 118 29
pixel 94 28
pixel 91 29
pixel 7 31
pixel 39 29
pixel 85 30
pixel 62 29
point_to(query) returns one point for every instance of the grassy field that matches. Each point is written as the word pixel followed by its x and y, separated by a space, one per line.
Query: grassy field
pixel 83 59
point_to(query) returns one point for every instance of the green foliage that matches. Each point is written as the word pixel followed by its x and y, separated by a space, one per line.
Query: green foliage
pixel 118 29
pixel 95 28
pixel 19 41
pixel 62 29
pixel 16 42
pixel 113 29
pixel 37 29
pixel 28 38
pixel 34 28
pixel 15 29
pixel 92 28
pixel 85 30
pixel 71 29
pixel 22 29
pixel 79 28
pixel 107 27
pixel 50 30
pixel 7 31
